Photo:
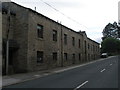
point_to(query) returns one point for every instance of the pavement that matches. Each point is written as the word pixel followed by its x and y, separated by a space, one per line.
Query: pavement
pixel 19 78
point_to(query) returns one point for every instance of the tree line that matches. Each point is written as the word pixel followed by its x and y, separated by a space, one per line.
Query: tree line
pixel 111 39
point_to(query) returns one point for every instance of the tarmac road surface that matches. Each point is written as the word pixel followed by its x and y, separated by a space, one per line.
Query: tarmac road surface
pixel 100 74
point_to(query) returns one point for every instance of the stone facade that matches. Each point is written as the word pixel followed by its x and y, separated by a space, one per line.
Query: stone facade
pixel 68 48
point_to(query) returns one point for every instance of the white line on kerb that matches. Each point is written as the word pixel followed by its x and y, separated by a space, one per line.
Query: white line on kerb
pixel 102 70
pixel 81 85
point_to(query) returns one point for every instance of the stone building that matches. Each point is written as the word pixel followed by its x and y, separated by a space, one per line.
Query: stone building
pixel 36 42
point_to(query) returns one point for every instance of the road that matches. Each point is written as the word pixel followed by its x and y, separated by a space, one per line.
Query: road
pixel 100 74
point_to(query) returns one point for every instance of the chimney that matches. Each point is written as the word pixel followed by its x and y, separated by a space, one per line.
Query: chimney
pixel 35 8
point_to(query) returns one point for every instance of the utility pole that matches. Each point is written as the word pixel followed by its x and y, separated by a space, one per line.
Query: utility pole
pixel 7 41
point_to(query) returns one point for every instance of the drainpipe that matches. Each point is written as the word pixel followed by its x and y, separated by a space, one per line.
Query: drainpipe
pixel 7 56
pixel 7 42
pixel 61 46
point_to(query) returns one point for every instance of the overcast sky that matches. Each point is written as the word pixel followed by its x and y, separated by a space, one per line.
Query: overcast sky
pixel 85 15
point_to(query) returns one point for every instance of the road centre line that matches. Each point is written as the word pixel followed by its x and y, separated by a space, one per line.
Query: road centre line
pixel 103 70
pixel 81 85
pixel 69 68
pixel 37 75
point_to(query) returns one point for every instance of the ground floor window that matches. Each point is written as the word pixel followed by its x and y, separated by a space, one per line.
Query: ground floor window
pixel 65 56
pixel 55 56
pixel 79 56
pixel 39 56
pixel 73 58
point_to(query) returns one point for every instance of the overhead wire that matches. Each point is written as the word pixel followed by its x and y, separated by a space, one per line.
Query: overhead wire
pixel 63 14
pixel 51 6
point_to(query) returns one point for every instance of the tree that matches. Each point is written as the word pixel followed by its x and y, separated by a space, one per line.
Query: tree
pixel 110 45
pixel 119 29
pixel 111 30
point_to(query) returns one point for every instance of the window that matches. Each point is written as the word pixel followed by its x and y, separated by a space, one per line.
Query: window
pixel 55 56
pixel 98 48
pixel 39 56
pixel 54 35
pixel 79 43
pixel 93 48
pixel 79 56
pixel 73 41
pixel 85 47
pixel 65 39
pixel 88 46
pixel 40 31
pixel 73 58
pixel 88 56
pixel 65 56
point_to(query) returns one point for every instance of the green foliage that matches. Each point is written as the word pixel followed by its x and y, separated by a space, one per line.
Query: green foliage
pixel 111 30
pixel 110 45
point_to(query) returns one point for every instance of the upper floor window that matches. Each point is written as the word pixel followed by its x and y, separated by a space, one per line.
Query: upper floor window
pixel 40 31
pixel 79 43
pixel 73 41
pixel 93 48
pixel 88 46
pixel 65 39
pixel 54 35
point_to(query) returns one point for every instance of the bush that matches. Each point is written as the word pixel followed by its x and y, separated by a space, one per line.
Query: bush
pixel 110 45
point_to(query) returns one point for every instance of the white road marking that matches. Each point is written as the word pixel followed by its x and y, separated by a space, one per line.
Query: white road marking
pixel 81 85
pixel 46 74
pixel 36 75
pixel 103 70
pixel 69 68
pixel 110 64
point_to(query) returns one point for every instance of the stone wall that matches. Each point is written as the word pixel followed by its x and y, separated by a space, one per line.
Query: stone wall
pixel 18 31
pixel 23 29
